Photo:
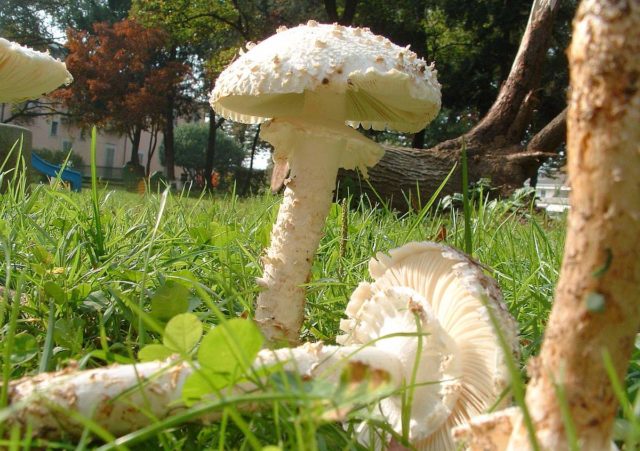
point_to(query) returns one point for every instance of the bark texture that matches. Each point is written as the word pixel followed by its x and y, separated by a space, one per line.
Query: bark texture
pixel 494 145
pixel 597 305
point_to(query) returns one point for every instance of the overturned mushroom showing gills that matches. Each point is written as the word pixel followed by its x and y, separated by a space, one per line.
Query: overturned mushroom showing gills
pixel 462 369
pixel 427 310
pixel 27 74
pixel 311 81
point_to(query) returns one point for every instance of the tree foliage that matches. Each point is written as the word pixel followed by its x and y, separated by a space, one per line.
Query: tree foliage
pixel 473 44
pixel 120 78
pixel 191 146
pixel 22 22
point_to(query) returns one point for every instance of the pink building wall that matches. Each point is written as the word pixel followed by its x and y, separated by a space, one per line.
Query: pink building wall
pixel 113 150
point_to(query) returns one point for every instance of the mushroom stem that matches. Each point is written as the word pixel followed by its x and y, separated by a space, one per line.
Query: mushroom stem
pixel 123 398
pixel 314 162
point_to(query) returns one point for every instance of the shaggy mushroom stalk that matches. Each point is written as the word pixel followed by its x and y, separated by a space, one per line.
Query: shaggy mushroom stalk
pixel 421 326
pixel 311 82
pixel 315 153
pixel 124 398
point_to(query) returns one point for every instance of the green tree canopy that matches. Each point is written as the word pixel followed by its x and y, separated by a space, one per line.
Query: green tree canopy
pixel 191 147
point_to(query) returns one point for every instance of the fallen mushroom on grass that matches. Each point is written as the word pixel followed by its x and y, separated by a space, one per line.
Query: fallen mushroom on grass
pixel 461 355
pixel 421 329
pixel 27 74
pixel 310 82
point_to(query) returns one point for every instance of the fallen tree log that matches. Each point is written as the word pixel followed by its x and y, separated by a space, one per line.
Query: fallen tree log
pixel 494 146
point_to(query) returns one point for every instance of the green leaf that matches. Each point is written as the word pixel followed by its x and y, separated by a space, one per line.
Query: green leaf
pixel 42 255
pixel 131 275
pixel 56 292
pixel 25 347
pixel 230 347
pixel 222 234
pixel 182 333
pixel 202 383
pixel 80 292
pixel 169 300
pixel 69 333
pixel 225 354
pixel 154 352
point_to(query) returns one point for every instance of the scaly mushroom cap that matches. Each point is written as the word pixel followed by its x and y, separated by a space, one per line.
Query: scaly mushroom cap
pixel 461 356
pixel 377 83
pixel 27 74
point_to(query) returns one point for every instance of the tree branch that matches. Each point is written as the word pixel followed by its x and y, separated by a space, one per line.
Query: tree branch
pixel 332 10
pixel 525 73
pixel 349 12
pixel 35 109
pixel 551 136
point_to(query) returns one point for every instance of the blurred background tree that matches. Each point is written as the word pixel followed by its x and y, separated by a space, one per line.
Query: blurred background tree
pixel 191 151
pixel 473 44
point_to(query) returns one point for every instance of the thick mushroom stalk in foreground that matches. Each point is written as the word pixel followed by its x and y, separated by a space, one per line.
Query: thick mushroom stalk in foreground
pixel 27 74
pixel 427 314
pixel 310 82
pixel 596 310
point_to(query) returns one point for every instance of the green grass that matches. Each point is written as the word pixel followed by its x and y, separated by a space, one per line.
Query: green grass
pixel 103 270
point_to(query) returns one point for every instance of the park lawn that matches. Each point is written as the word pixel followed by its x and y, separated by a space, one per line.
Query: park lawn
pixel 85 282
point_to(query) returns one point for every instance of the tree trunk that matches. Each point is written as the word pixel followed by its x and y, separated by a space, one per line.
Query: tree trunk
pixel 135 145
pixel 151 150
pixel 169 152
pixel 247 182
pixel 405 175
pixel 597 305
pixel 493 145
pixel 211 149
pixel 348 13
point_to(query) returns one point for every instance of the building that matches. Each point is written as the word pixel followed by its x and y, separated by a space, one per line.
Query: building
pixel 55 132
pixel 553 192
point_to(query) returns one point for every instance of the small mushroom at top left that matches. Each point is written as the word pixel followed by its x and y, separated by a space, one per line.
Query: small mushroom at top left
pixel 27 74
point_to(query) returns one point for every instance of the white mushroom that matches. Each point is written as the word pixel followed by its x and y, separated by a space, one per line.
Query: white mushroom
pixel 426 313
pixel 327 76
pixel 461 356
pixel 27 74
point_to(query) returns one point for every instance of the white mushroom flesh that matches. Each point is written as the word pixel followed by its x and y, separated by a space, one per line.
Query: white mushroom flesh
pixel 461 298
pixel 301 217
pixel 124 398
pixel 425 297
pixel 27 74
pixel 312 80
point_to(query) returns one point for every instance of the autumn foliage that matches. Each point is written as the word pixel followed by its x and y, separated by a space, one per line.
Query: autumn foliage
pixel 121 73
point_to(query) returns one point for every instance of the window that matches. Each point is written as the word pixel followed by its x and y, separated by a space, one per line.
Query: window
pixel 66 146
pixel 109 154
pixel 54 128
pixel 141 158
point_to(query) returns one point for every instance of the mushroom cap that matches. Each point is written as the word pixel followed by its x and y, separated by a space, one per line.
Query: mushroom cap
pixel 462 370
pixel 377 83
pixel 27 74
